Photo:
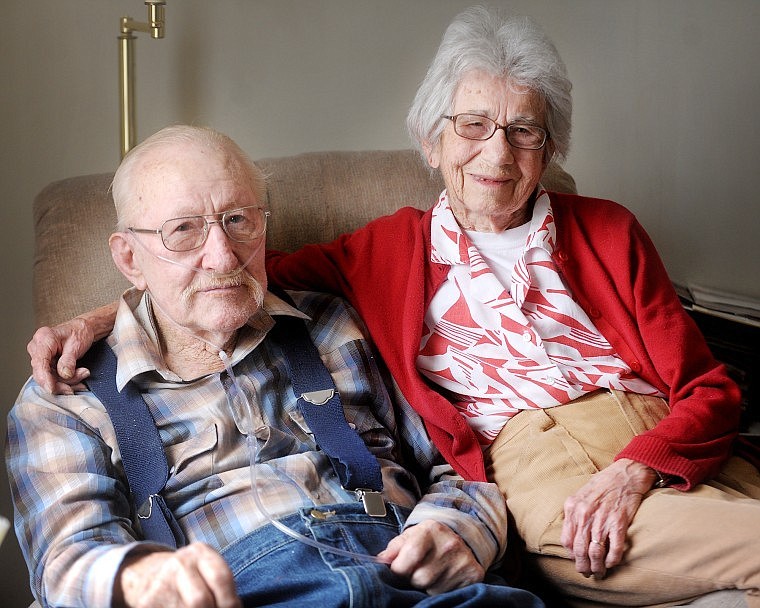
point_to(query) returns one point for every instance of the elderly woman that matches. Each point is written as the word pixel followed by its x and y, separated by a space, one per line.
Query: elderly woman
pixel 539 337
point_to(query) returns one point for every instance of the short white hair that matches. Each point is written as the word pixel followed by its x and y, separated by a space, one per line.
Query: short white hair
pixel 514 48
pixel 127 175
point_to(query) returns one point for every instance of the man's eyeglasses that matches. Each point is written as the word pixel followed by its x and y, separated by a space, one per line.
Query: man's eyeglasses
pixel 190 232
pixel 480 128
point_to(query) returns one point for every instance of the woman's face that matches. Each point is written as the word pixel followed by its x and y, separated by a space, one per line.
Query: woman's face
pixel 490 182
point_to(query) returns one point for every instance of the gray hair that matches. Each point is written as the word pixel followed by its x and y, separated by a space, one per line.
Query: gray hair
pixel 515 48
pixel 122 187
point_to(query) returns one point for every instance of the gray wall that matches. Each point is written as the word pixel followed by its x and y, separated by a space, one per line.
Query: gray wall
pixel 666 97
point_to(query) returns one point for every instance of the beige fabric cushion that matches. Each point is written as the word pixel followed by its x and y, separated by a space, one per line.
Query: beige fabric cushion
pixel 313 197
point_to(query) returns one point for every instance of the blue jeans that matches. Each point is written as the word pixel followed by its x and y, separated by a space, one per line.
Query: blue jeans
pixel 272 568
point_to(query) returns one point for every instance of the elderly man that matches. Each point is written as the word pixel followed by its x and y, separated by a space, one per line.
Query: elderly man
pixel 255 504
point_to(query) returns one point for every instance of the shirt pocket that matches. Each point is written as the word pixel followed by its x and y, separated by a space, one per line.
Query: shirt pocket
pixel 191 468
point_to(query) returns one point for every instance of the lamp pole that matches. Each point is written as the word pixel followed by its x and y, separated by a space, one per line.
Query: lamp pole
pixel 155 26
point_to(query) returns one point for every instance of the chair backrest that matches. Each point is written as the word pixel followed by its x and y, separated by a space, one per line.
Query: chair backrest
pixel 313 197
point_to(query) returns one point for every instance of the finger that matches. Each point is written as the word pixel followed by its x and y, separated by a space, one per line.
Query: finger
pixel 431 577
pixel 73 350
pixel 220 580
pixel 582 562
pixel 616 548
pixel 74 388
pixel 42 370
pixel 597 552
pixel 392 550
pixel 48 382
pixel 568 533
pixel 61 388
pixel 438 585
pixel 575 525
pixel 580 550
pixel 80 375
pixel 192 589
pixel 417 559
pixel 53 384
pixel 408 558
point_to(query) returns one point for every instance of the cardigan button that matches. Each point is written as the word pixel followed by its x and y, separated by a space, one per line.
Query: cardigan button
pixel 635 366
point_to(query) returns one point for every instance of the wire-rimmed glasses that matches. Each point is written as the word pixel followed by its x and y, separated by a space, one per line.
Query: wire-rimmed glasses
pixel 190 232
pixel 480 128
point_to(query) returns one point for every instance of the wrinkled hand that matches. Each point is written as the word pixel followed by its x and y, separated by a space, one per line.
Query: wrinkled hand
pixel 194 576
pixel 598 515
pixel 433 557
pixel 54 352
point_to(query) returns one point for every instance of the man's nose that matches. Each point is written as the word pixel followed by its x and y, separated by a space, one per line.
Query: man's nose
pixel 218 253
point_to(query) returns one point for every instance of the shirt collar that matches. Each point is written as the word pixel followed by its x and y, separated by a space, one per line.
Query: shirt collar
pixel 449 243
pixel 134 338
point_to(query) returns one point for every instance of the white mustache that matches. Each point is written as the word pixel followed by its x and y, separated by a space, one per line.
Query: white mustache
pixel 233 279
pixel 236 278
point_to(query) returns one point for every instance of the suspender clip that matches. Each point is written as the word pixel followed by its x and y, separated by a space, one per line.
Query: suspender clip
pixel 318 397
pixel 374 505
pixel 146 509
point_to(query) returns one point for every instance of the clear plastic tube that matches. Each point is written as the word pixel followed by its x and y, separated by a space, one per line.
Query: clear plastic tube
pixel 253 457
pixel 237 394
pixel 209 273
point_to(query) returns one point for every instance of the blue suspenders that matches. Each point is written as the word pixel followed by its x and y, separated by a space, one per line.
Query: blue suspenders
pixel 143 456
pixel 319 402
pixel 142 453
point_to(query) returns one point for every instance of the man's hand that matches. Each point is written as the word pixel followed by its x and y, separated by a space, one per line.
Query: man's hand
pixel 54 351
pixel 433 557
pixel 598 515
pixel 194 576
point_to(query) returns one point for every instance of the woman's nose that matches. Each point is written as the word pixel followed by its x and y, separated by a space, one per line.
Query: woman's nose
pixel 497 149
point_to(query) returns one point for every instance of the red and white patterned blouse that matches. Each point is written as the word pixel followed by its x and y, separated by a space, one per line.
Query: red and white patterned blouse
pixel 498 340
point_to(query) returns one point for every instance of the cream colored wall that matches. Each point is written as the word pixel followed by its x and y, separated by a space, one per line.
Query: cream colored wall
pixel 666 97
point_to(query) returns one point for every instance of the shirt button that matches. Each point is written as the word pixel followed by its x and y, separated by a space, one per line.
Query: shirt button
pixel 527 336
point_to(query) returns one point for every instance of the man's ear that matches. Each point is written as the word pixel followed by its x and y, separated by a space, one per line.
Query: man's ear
pixel 432 153
pixel 124 257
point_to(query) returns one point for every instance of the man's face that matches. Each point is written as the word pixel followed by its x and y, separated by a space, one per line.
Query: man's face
pixel 490 182
pixel 192 180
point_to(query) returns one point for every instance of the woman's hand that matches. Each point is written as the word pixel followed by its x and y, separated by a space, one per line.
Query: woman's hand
pixel 598 515
pixel 54 351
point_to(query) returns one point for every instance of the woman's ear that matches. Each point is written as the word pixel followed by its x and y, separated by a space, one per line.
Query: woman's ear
pixel 548 152
pixel 124 257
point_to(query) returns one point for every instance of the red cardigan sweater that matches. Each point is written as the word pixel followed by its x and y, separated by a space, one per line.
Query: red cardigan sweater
pixel 614 273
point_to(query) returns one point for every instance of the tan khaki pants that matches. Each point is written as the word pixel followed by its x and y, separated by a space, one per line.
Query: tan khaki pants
pixel 680 545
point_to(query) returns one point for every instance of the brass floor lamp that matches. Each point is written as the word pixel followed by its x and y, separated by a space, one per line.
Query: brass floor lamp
pixel 155 26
